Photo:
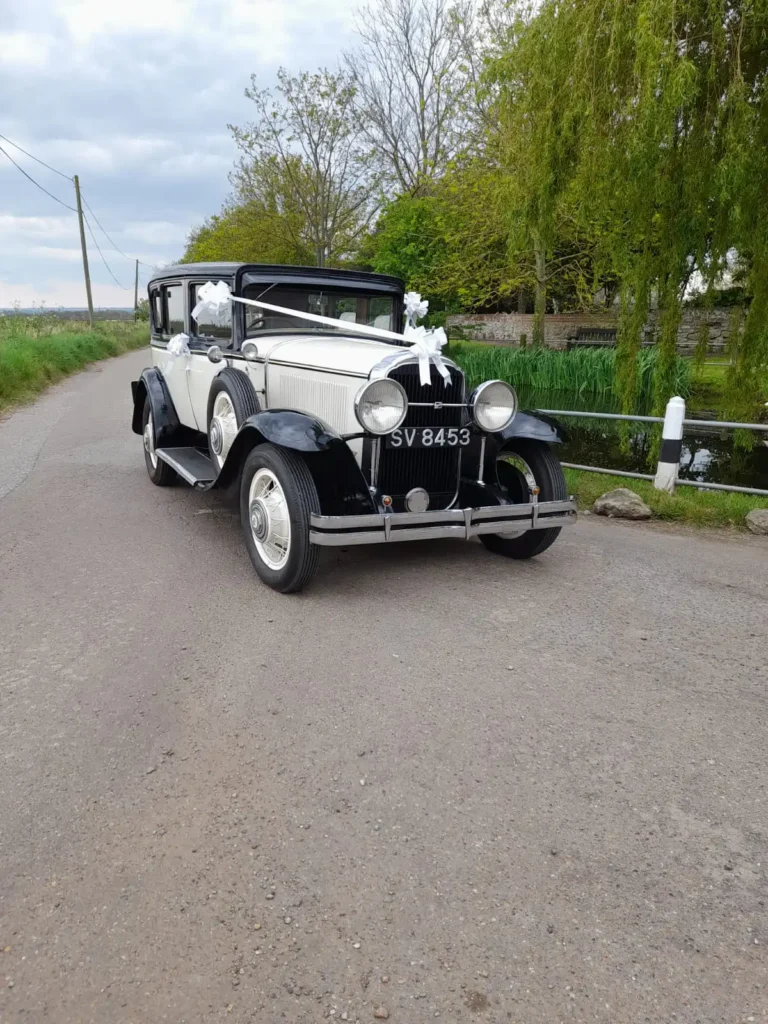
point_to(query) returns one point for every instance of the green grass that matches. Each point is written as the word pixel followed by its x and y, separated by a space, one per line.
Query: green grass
pixel 37 351
pixel 686 505
pixel 585 371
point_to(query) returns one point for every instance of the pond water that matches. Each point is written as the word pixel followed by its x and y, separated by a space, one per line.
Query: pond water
pixel 708 454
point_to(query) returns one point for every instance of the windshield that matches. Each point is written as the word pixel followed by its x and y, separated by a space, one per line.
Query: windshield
pixel 358 307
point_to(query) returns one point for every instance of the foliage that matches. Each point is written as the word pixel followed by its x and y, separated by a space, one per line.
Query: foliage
pixel 250 232
pixel 305 160
pixel 36 351
pixel 585 371
pixel 687 505
pixel 142 311
pixel 650 121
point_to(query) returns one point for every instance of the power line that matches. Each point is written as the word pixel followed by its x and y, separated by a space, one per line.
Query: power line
pixel 115 247
pixel 44 164
pixel 88 224
pixel 37 183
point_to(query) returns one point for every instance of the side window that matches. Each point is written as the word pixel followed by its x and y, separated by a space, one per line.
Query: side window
pixel 174 309
pixel 156 311
pixel 212 325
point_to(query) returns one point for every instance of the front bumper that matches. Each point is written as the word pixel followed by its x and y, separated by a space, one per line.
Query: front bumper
pixel 461 523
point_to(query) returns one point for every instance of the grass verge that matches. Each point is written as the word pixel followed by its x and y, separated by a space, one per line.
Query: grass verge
pixel 35 352
pixel 686 505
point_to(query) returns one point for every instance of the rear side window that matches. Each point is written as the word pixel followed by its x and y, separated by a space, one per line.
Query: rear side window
pixel 211 325
pixel 174 308
pixel 156 311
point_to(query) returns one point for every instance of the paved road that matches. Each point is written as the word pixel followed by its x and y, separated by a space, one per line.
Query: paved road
pixel 437 785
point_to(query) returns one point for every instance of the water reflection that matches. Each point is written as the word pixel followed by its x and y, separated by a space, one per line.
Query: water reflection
pixel 708 454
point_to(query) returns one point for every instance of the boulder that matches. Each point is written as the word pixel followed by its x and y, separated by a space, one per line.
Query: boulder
pixel 621 503
pixel 757 520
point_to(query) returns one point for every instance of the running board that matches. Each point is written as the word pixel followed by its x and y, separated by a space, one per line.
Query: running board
pixel 191 465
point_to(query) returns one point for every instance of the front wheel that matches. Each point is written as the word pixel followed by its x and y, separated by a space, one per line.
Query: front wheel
pixel 277 498
pixel 530 472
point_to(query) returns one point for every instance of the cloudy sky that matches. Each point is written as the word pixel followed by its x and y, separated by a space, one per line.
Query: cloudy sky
pixel 135 97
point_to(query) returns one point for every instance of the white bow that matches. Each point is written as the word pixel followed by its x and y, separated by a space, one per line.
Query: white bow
pixel 213 299
pixel 178 345
pixel 427 345
pixel 415 307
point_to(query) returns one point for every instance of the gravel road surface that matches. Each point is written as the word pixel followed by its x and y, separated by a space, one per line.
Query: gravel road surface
pixel 437 785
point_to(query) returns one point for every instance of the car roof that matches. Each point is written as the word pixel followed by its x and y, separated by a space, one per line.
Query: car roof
pixel 270 271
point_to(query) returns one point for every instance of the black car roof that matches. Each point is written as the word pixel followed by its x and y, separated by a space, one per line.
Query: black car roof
pixel 268 271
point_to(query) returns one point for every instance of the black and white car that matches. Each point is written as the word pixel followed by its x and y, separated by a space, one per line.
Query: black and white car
pixel 303 398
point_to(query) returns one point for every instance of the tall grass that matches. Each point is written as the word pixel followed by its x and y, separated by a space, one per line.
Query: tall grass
pixel 36 351
pixel 583 371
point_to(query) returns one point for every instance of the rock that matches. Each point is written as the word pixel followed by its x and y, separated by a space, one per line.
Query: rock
pixel 621 503
pixel 757 520
pixel 381 1013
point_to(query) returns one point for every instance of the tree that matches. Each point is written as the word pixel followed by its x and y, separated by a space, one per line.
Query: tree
pixel 410 77
pixel 305 147
pixel 249 232
pixel 650 120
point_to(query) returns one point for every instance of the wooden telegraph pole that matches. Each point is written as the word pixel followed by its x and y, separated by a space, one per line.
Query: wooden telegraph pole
pixel 85 250
pixel 136 292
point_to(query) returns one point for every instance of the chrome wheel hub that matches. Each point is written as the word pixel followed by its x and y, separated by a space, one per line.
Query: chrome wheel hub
pixel 149 441
pixel 223 427
pixel 269 518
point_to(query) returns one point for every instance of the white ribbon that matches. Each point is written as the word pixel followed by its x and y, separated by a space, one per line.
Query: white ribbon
pixel 427 345
pixel 415 307
pixel 213 299
pixel 178 345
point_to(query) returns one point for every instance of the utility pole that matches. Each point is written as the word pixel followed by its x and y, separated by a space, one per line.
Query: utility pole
pixel 85 251
pixel 136 292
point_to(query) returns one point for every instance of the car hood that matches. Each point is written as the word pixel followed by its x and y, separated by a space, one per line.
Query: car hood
pixel 355 356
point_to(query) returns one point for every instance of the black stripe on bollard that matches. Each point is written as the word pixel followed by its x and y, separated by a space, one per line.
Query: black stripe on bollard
pixel 670 450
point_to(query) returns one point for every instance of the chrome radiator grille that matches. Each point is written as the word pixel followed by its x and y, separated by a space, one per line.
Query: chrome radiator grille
pixel 434 469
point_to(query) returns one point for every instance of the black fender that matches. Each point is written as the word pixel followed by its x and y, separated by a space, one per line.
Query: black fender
pixel 340 483
pixel 169 432
pixel 533 428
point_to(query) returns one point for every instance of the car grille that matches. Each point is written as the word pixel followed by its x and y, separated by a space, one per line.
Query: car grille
pixel 434 469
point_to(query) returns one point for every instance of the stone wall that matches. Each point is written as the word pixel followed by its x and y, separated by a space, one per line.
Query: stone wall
pixel 561 328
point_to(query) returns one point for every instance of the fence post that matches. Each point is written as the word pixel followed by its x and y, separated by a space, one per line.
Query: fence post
pixel 671 446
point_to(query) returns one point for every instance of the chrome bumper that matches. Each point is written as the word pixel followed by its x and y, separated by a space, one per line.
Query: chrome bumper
pixel 462 523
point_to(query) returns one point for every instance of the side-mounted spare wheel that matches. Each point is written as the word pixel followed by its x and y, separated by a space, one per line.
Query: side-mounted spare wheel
pixel 232 399
pixel 530 471
pixel 160 473
pixel 277 498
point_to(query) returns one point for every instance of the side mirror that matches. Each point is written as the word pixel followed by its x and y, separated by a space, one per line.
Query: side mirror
pixel 250 351
pixel 215 354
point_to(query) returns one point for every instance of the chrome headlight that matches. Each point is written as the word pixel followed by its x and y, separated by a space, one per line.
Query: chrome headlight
pixel 381 405
pixel 493 405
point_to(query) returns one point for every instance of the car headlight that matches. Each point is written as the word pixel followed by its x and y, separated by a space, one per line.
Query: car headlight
pixel 493 405
pixel 381 406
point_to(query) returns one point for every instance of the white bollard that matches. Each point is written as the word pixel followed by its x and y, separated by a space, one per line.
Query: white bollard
pixel 671 446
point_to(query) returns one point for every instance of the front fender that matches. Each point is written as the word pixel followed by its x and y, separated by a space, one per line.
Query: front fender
pixel 340 484
pixel 535 428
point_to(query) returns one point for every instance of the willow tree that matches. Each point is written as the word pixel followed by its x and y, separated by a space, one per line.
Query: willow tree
pixel 651 118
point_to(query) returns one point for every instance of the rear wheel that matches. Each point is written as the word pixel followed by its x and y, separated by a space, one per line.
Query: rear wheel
pixel 160 473
pixel 231 401
pixel 530 472
pixel 277 498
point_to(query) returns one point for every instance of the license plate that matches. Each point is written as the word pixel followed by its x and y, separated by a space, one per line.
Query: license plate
pixel 429 437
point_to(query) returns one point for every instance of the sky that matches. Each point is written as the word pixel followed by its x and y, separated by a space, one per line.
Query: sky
pixel 134 96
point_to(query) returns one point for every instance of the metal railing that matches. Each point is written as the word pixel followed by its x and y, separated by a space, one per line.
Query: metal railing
pixel 666 477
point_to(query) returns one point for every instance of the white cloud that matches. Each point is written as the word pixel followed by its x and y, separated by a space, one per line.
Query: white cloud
pixel 157 232
pixel 50 252
pixel 25 49
pixel 49 227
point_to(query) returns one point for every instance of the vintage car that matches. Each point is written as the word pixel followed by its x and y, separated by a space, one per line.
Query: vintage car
pixel 302 398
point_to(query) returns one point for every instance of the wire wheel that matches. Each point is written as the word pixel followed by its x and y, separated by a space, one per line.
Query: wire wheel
pixel 269 518
pixel 222 429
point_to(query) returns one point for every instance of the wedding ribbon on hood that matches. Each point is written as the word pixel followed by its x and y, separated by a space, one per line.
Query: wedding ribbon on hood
pixel 213 299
